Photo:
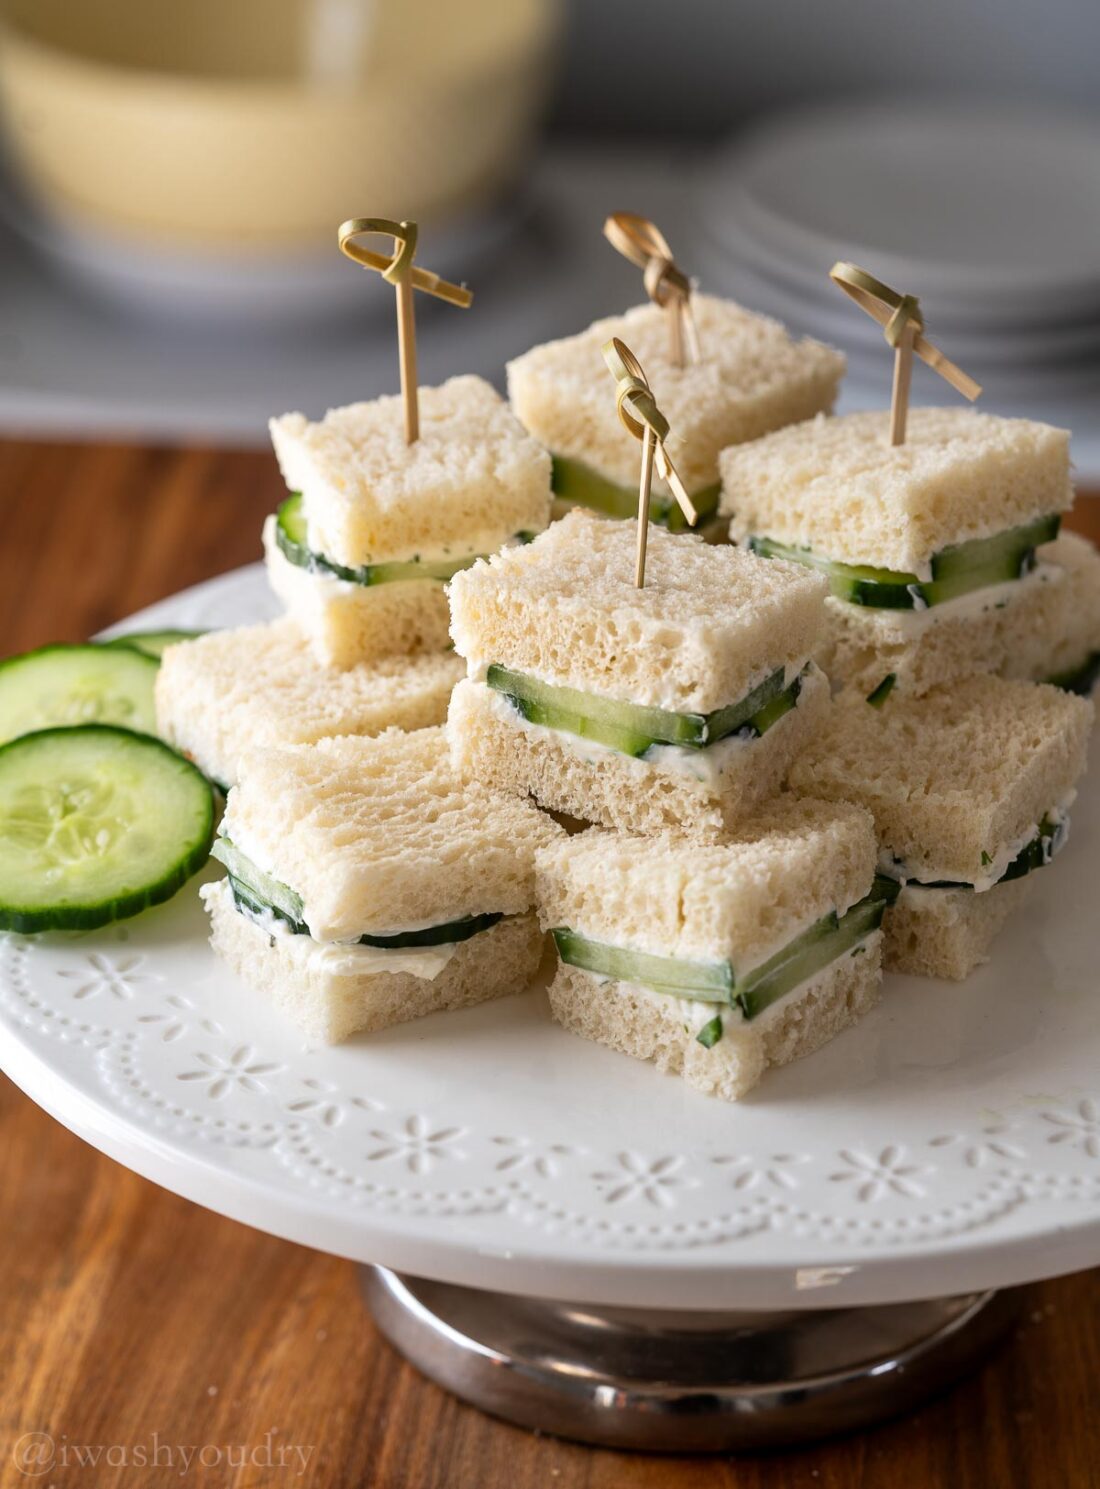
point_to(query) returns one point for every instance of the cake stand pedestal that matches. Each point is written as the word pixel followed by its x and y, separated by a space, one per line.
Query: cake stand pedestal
pixel 670 1381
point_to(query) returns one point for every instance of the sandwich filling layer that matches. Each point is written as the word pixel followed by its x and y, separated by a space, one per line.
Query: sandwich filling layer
pixel 423 951
pixel 1034 850
pixel 578 484
pixel 715 993
pixel 292 539
pixel 953 573
pixel 639 730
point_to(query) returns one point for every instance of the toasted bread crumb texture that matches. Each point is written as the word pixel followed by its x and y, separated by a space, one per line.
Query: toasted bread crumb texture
pixel 348 624
pixel 236 690
pixel 740 900
pixel 963 771
pixel 618 790
pixel 380 834
pixel 368 496
pixel 329 1007
pixel 710 623
pixel 838 486
pixel 1024 632
pixel 753 377
pixel 948 932
pixel 634 1022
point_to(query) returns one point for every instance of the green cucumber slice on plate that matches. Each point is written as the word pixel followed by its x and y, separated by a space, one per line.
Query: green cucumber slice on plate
pixel 152 643
pixel 96 824
pixel 57 686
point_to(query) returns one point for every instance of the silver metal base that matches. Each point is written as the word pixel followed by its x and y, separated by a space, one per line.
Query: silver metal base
pixel 665 1381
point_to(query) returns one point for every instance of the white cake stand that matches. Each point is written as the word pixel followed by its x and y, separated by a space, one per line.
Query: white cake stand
pixel 574 1241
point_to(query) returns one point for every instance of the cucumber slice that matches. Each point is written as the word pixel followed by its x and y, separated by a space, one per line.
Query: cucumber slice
pixel 956 571
pixel 152 643
pixel 1079 679
pixel 711 1032
pixel 632 728
pixel 878 696
pixel 573 481
pixel 290 535
pixel 260 894
pixel 268 893
pixel 57 686
pixel 96 824
pixel 809 954
pixel 706 982
pixel 715 982
pixel 1004 551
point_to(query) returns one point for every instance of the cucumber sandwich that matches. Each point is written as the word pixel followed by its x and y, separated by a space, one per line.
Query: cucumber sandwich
pixel 680 705
pixel 361 551
pixel 969 787
pixel 368 885
pixel 257 686
pixel 753 377
pixel 716 961
pixel 935 551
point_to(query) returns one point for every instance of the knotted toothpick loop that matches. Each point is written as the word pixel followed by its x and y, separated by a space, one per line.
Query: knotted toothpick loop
pixel 398 269
pixel 640 416
pixel 666 284
pixel 902 325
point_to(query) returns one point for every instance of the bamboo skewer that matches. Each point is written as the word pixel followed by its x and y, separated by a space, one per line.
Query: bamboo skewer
pixel 903 376
pixel 643 243
pixel 399 270
pixel 902 325
pixel 645 486
pixel 638 411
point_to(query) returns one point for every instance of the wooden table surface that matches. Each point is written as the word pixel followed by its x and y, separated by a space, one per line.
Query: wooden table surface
pixel 132 1321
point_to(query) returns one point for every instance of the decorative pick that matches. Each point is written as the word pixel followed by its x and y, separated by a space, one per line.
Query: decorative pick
pixel 643 243
pixel 903 327
pixel 398 269
pixel 637 408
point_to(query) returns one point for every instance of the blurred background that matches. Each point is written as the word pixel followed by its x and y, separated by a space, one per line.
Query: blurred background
pixel 172 177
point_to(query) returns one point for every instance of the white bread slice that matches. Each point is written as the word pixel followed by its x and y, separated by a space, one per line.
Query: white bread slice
pixel 753 377
pixel 330 1007
pixel 473 479
pixel 348 624
pixel 710 624
pixel 256 686
pixel 491 742
pixel 948 932
pixel 1062 635
pixel 838 486
pixel 380 835
pixel 741 899
pixel 961 772
pixel 648 1027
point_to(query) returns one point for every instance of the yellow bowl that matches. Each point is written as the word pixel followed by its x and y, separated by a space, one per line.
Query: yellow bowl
pixel 261 124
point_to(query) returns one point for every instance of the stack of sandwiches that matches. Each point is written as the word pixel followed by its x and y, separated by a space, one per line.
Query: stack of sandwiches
pixel 729 798
pixel 937 552
pixel 360 553
pixel 705 922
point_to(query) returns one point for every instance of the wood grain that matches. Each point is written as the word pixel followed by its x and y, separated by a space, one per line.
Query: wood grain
pixel 126 1312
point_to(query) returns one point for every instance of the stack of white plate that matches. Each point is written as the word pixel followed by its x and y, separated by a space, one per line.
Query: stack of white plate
pixel 990 214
